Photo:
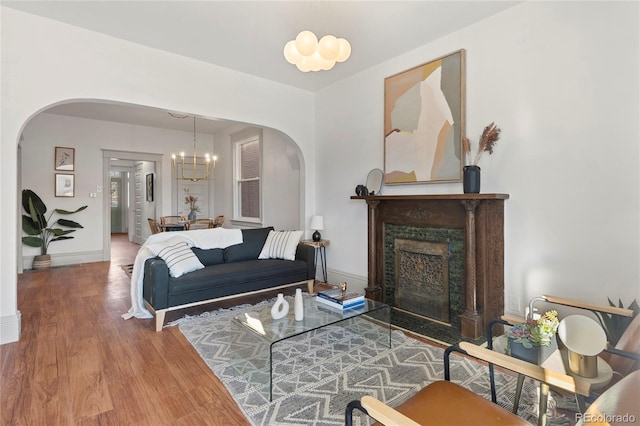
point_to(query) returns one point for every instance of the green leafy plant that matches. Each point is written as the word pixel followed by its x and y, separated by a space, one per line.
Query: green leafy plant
pixel 615 325
pixel 538 332
pixel 36 224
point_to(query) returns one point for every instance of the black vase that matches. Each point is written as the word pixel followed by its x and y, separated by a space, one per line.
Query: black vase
pixel 471 179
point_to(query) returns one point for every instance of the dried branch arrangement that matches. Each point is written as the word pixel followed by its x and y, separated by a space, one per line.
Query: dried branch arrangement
pixel 488 139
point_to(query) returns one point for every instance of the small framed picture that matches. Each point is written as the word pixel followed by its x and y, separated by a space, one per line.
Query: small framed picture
pixel 65 159
pixel 65 185
pixel 150 187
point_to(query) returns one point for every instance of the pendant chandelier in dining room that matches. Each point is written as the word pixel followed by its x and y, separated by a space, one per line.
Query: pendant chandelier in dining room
pixel 195 177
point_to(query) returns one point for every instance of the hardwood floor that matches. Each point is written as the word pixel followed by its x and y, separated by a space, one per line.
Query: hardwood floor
pixel 78 362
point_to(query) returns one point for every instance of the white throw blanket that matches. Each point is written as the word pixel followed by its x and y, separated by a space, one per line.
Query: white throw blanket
pixel 202 238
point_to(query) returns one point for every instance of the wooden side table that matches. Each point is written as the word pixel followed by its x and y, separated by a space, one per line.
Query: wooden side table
pixel 320 247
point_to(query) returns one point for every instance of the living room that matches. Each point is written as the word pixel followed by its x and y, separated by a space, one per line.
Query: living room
pixel 543 71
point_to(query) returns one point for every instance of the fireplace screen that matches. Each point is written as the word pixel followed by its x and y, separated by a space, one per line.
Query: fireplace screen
pixel 422 278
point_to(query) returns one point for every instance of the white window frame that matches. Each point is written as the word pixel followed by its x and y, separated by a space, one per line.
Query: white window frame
pixel 237 216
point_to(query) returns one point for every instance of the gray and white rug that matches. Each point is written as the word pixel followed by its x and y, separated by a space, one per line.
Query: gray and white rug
pixel 316 374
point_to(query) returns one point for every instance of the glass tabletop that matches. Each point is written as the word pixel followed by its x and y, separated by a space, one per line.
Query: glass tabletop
pixel 315 316
pixel 253 354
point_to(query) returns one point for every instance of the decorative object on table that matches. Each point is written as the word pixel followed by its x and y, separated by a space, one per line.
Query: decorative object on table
pixel 65 185
pixel 615 325
pixel 534 340
pixel 471 171
pixel 39 228
pixel 298 306
pixel 192 202
pixel 343 288
pixel 374 182
pixel 339 299
pixel 317 223
pixel 361 190
pixel 281 308
pixel 65 159
pixel 584 339
pixel 149 178
pixel 424 122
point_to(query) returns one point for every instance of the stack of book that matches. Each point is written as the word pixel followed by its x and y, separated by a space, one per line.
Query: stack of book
pixel 338 300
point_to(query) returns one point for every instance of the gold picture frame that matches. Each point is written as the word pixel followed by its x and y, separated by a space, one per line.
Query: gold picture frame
pixel 65 159
pixel 424 121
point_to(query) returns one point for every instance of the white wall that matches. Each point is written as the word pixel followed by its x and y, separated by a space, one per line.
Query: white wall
pixel 281 178
pixel 561 79
pixel 45 62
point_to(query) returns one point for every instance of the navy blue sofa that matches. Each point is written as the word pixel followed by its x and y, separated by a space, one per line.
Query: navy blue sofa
pixel 228 273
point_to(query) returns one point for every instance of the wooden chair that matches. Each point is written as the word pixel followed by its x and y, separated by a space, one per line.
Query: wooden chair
pixel 165 220
pixel 201 224
pixel 153 225
pixel 218 221
pixel 446 403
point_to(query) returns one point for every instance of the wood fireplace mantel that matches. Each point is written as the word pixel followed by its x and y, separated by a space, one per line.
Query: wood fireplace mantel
pixel 482 218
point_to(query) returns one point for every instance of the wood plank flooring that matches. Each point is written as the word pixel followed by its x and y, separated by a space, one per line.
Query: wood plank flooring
pixel 79 363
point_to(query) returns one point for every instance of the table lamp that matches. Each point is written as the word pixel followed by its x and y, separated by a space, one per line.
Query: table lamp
pixel 317 223
pixel 584 339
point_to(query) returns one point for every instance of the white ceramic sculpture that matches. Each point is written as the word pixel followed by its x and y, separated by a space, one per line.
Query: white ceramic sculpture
pixel 298 306
pixel 281 307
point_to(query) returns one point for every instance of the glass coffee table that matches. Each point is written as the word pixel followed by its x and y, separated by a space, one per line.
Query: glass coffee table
pixel 254 359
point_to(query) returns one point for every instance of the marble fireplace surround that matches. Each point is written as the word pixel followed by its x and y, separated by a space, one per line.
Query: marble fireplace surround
pixel 480 216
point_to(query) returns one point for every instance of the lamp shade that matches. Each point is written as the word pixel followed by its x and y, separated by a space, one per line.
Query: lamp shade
pixel 317 223
pixel 584 339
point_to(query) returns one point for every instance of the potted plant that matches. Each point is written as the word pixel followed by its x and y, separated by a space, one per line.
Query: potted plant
pixel 471 170
pixel 39 228
pixel 534 340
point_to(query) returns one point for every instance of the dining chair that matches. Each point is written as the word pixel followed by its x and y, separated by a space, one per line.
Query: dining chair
pixel 165 220
pixel 201 224
pixel 153 225
pixel 218 221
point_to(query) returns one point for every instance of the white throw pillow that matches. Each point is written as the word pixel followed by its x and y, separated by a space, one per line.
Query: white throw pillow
pixel 281 245
pixel 177 255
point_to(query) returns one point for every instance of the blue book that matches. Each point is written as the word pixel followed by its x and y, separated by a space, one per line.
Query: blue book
pixel 343 306
pixel 336 296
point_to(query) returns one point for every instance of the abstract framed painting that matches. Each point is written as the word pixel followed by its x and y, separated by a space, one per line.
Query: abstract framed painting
pixel 424 121
pixel 65 185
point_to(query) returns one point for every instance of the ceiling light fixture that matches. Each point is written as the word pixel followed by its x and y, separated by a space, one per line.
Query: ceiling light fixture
pixel 208 159
pixel 309 54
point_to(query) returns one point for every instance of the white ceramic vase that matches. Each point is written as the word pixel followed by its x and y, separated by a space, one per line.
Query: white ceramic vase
pixel 298 306
pixel 281 307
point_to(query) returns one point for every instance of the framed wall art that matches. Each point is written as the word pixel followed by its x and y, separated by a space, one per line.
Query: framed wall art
pixel 65 185
pixel 424 114
pixel 149 186
pixel 65 159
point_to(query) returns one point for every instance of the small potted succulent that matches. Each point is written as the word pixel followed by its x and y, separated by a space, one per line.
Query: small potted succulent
pixel 40 229
pixel 534 340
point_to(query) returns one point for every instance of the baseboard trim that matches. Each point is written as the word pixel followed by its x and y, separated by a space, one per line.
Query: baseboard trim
pixel 356 283
pixel 64 259
pixel 10 328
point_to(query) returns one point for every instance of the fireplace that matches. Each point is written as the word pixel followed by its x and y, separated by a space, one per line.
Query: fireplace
pixel 438 261
pixel 422 278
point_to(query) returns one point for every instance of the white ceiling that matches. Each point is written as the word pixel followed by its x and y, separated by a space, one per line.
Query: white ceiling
pixel 249 36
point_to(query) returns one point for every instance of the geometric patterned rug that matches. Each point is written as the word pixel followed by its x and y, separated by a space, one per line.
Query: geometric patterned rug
pixel 316 374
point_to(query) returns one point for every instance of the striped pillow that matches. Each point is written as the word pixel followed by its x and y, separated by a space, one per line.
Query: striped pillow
pixel 281 245
pixel 178 257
